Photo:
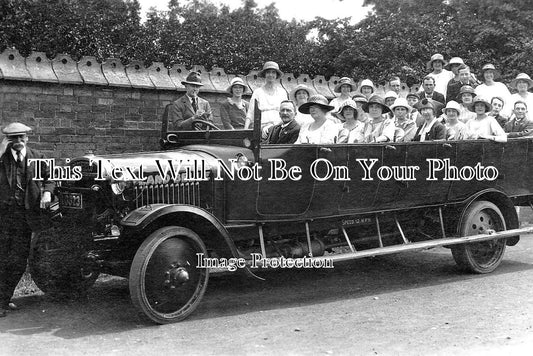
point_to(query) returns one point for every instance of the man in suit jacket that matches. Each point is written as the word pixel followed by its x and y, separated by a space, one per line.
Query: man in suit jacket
pixel 428 84
pixel 288 130
pixel 520 125
pixel 182 112
pixel 21 198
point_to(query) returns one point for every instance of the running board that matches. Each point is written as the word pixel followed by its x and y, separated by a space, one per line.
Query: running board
pixel 411 246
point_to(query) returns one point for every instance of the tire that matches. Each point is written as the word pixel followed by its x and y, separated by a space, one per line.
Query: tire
pixel 60 269
pixel 486 256
pixel 165 284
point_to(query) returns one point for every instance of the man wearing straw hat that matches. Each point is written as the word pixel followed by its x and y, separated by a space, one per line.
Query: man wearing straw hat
pixel 184 111
pixel 21 199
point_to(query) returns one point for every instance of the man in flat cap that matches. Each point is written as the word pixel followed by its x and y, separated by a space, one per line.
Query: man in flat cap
pixel 21 199
pixel 184 111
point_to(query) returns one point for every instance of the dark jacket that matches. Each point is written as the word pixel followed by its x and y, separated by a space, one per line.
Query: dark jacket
pixel 180 113
pixel 437 132
pixel 279 135
pixel 34 188
pixel 434 96
pixel 520 128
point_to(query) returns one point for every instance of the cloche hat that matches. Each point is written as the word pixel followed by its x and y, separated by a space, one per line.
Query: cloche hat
pixel 348 103
pixel 401 102
pixel 270 65
pixel 435 57
pixel 292 94
pixel 367 83
pixel 237 81
pixel 376 99
pixel 454 60
pixel 490 66
pixel 465 89
pixel 524 77
pixel 316 99
pixel 479 99
pixel 453 105
pixel 344 81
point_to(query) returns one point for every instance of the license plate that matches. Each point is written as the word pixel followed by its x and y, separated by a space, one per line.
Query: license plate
pixel 71 200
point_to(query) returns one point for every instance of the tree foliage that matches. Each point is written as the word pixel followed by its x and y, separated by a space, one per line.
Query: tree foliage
pixel 398 37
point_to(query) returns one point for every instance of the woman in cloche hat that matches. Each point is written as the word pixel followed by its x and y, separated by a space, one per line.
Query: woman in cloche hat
pixel 401 110
pixel 321 130
pixel 379 127
pixel 491 88
pixel 300 95
pixel 442 76
pixel 267 98
pixel 455 129
pixel 233 111
pixel 344 87
pixel 484 126
pixel 522 83
pixel 352 131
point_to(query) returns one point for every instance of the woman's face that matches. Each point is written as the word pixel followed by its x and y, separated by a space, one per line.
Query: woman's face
pixel 348 113
pixel 522 86
pixel 366 90
pixel 375 110
pixel 400 112
pixel 452 114
pixel 488 75
pixel 480 108
pixel 412 100
pixel 437 65
pixel 346 89
pixel 271 75
pixel 301 96
pixel 390 100
pixel 316 112
pixel 427 113
pixel 467 98
pixel 237 90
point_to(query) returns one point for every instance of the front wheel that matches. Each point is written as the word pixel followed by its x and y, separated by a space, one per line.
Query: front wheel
pixel 165 283
pixel 480 257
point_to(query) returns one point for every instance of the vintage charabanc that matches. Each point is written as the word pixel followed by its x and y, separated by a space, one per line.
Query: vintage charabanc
pixel 232 199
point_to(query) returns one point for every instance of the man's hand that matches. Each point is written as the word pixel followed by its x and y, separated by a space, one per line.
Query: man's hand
pixel 3 145
pixel 46 199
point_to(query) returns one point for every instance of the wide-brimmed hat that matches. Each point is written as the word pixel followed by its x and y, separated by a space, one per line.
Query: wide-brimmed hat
pixel 15 129
pixel 193 78
pixel 348 103
pixel 270 65
pixel 316 99
pixel 292 95
pixel 452 104
pixel 454 60
pixel 344 81
pixel 401 102
pixel 367 83
pixel 360 98
pixel 391 94
pixel 435 57
pixel 479 99
pixel 237 81
pixel 376 99
pixel 465 89
pixel 487 67
pixel 521 76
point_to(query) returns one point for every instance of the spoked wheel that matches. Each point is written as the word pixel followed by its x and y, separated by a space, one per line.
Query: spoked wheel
pixel 480 257
pixel 165 283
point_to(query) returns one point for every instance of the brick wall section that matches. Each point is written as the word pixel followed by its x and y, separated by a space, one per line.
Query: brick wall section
pixel 72 120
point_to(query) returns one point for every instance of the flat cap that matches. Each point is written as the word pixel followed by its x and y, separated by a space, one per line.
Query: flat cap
pixel 16 128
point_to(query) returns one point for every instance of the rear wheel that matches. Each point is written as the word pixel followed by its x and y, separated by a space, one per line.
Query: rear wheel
pixel 165 283
pixel 480 257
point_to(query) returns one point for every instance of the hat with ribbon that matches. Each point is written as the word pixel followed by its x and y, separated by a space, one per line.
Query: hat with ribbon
pixel 292 94
pixel 344 81
pixel 350 104
pixel 238 81
pixel 270 65
pixel 15 129
pixel 491 67
pixel 193 78
pixel 376 99
pixel 479 99
pixel 360 98
pixel 523 77
pixel 454 60
pixel 435 57
pixel 317 99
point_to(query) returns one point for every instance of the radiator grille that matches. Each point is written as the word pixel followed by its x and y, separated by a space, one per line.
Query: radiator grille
pixel 171 193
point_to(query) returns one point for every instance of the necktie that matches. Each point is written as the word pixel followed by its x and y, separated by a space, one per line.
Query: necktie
pixel 19 159
pixel 194 105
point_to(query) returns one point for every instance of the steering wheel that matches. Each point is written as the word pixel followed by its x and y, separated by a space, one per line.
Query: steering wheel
pixel 201 125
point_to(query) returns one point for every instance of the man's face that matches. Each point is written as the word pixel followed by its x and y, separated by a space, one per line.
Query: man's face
pixel 428 86
pixel 400 112
pixel 480 108
pixel 18 142
pixel 412 100
pixel 192 90
pixel 286 112
pixel 427 114
pixel 464 76
pixel 520 111
pixel 497 106
pixel 375 110
pixel 467 98
pixel 395 86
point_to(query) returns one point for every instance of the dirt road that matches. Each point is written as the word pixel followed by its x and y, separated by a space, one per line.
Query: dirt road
pixel 410 304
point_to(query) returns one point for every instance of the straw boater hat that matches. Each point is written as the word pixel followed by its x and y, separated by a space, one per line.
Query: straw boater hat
pixel 454 60
pixel 401 102
pixel 292 94
pixel 15 129
pixel 524 77
pixel 270 65
pixel 360 98
pixel 344 81
pixel 316 99
pixel 465 89
pixel 193 78
pixel 367 83
pixel 479 99
pixel 487 67
pixel 453 105
pixel 237 81
pixel 376 99
pixel 435 57
pixel 348 103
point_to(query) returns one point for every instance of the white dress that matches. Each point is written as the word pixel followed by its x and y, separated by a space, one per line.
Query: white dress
pixel 441 81
pixel 325 134
pixel 497 89
pixel 268 104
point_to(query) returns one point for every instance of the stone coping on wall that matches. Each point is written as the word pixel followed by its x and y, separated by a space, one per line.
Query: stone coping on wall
pixel 65 70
